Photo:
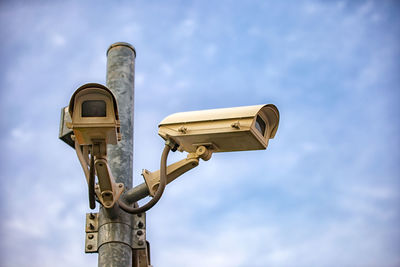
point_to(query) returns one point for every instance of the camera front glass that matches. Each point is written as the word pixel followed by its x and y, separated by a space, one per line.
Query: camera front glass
pixel 260 125
pixel 94 108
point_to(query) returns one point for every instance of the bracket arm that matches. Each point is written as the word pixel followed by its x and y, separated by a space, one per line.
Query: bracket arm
pixel 176 169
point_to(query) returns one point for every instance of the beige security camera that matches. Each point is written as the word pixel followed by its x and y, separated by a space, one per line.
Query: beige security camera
pixel 94 113
pixel 222 130
pixel 201 133
pixel 94 120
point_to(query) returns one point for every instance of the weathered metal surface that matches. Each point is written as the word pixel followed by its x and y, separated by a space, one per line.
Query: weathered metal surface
pixel 91 245
pixel 139 231
pixel 136 193
pixel 141 246
pixel 143 258
pixel 115 255
pixel 91 229
pixel 120 80
pixel 92 222
pixel 115 232
pixel 115 238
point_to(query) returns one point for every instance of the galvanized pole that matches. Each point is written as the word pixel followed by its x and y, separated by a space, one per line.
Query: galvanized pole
pixel 116 226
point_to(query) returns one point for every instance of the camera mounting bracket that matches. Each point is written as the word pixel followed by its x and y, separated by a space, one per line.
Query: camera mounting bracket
pixel 176 169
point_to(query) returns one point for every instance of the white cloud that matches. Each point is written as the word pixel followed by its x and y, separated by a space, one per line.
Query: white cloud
pixel 187 27
pixel 167 69
pixel 140 79
pixel 22 136
pixel 58 40
pixel 210 51
pixel 311 8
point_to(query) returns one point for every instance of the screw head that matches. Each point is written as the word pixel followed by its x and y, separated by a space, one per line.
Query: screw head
pixel 140 232
pixel 89 246
pixel 90 236
pixel 140 243
pixel 140 225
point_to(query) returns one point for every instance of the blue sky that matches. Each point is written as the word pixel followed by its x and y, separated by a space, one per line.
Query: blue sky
pixel 326 192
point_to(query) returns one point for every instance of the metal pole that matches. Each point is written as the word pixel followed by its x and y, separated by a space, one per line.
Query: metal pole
pixel 114 224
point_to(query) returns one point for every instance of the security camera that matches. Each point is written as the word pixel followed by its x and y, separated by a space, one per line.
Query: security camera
pixel 94 114
pixel 201 133
pixel 94 121
pixel 222 130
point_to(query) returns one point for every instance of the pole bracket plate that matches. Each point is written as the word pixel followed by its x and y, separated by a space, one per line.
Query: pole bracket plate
pixel 91 229
pixel 110 232
pixel 139 231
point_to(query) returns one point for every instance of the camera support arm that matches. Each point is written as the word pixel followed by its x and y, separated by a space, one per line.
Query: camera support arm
pixel 176 169
pixel 107 190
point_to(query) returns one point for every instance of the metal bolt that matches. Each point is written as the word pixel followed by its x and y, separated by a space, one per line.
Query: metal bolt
pixel 89 246
pixel 140 225
pixel 91 226
pixel 140 232
pixel 90 236
pixel 140 243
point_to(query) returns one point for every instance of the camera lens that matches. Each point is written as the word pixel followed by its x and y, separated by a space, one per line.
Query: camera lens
pixel 94 108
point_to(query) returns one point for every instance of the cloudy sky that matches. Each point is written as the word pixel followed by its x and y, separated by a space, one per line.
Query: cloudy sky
pixel 326 192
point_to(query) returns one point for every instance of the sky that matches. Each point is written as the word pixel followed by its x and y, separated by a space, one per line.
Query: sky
pixel 326 192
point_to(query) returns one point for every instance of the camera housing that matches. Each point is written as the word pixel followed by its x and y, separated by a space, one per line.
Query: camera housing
pixel 94 121
pixel 94 115
pixel 222 130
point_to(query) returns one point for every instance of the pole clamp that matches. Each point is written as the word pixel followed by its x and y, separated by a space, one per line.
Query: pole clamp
pixel 115 232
